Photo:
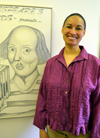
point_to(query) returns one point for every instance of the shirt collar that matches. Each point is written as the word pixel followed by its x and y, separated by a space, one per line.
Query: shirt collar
pixel 83 55
pixel 60 57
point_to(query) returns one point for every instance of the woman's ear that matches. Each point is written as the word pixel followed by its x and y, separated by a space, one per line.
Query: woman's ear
pixel 84 32
pixel 62 29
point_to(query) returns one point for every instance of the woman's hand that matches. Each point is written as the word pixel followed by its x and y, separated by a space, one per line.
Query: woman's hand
pixel 43 133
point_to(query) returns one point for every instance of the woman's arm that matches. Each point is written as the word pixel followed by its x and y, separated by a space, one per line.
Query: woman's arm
pixel 40 113
pixel 95 132
pixel 43 133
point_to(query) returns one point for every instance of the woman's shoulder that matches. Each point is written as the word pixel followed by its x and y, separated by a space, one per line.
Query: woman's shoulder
pixel 52 59
pixel 93 59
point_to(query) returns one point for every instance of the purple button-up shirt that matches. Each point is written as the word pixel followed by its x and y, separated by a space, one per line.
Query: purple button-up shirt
pixel 69 97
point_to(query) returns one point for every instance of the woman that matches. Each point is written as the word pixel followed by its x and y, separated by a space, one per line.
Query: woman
pixel 69 95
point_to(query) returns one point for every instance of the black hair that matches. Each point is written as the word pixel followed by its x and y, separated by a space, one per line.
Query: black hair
pixel 77 15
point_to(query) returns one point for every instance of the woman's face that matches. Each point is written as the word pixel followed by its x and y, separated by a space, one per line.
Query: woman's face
pixel 21 51
pixel 73 30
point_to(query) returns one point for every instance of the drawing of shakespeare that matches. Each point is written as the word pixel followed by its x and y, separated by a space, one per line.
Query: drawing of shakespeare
pixel 25 48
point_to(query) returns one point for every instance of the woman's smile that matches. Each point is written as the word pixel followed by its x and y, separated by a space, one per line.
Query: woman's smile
pixel 72 38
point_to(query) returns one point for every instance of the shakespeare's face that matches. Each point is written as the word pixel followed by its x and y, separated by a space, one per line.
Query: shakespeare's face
pixel 21 51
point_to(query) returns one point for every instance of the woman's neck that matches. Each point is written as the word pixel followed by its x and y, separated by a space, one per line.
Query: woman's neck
pixel 70 53
pixel 72 50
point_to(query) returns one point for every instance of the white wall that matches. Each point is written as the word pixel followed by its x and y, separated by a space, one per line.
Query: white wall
pixel 90 9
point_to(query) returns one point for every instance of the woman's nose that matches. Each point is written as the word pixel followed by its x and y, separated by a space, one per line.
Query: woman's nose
pixel 73 31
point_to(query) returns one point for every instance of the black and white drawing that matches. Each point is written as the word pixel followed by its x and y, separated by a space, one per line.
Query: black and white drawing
pixel 23 54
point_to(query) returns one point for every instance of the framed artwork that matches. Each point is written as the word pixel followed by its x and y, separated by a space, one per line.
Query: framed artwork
pixel 25 43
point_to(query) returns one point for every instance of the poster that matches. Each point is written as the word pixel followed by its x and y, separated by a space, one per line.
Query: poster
pixel 25 42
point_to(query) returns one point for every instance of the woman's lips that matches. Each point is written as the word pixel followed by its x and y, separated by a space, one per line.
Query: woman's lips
pixel 19 66
pixel 72 38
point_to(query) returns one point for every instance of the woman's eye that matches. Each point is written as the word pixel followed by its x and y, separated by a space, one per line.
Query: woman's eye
pixel 78 28
pixel 26 51
pixel 68 26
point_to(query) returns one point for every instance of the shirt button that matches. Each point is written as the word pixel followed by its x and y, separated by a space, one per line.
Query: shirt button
pixel 65 92
pixel 66 80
